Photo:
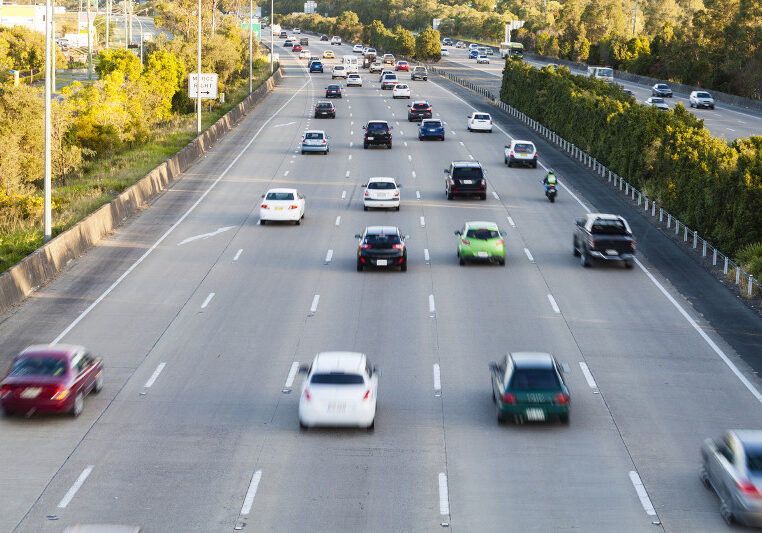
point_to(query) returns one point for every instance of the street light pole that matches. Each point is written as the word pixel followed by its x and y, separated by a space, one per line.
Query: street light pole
pixel 89 44
pixel 48 162
pixel 635 19
pixel 272 37
pixel 141 37
pixel 126 40
pixel 198 74
pixel 108 20
pixel 251 5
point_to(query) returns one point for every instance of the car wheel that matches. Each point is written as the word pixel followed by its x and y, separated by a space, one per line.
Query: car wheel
pixel 534 165
pixel 469 128
pixel 483 196
pixel 442 137
pixel 403 265
pixel 365 146
pixel 494 399
pixel 297 222
pixel 302 426
pixel 327 150
pixel 711 107
pixel 704 477
pixel 262 221
pixel 449 196
pixel 98 383
pixel 691 104
pixel 397 208
pixel 629 264
pixel 499 416
pixel 461 261
pixel 576 252
pixel 303 152
pixel 389 146
pixel 501 262
pixel 359 266
pixel 420 138
pixel 552 199
pixel 583 259
pixel 726 513
pixel 365 208
pixel 78 405
pixel 372 425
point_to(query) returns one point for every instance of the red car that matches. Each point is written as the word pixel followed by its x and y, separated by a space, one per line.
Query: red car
pixel 297 48
pixel 402 65
pixel 50 378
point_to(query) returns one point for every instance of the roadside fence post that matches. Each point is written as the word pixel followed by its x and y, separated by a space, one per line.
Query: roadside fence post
pixel 685 233
pixel 695 238
pixel 703 248
pixel 738 274
pixel 714 256
pixel 725 266
pixel 751 278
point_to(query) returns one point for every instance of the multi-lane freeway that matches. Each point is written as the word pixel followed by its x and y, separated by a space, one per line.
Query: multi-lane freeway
pixel 200 314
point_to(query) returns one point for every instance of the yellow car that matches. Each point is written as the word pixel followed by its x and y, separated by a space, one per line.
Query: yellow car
pixel 328 54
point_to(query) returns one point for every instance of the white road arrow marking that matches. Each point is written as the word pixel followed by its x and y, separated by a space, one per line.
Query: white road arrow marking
pixel 206 235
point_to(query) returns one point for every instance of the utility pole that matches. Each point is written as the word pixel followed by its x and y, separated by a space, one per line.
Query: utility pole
pixel 52 47
pixel 48 162
pixel 108 20
pixel 251 59
pixel 89 44
pixel 126 40
pixel 635 19
pixel 272 37
pixel 198 73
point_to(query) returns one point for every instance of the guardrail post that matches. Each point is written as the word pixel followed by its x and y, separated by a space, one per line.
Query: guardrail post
pixel 620 182
pixel 609 175
pixel 645 208
pixel 661 215
pixel 714 256
pixel 627 189
pixel 738 275
pixel 703 248
pixel 677 226
pixel 685 231
pixel 695 238
pixel 639 198
pixel 653 209
pixel 751 278
pixel 725 266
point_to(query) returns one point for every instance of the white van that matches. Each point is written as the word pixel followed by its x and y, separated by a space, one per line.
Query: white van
pixel 350 63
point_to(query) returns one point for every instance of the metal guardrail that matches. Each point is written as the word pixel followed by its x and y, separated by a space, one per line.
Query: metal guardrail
pixel 658 214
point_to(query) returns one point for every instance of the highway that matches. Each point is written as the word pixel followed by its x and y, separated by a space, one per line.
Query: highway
pixel 199 313
pixel 728 122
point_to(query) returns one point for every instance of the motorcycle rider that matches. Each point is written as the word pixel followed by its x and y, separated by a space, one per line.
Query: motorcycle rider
pixel 549 179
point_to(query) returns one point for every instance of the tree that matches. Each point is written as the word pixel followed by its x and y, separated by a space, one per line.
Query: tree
pixel 405 41
pixel 427 45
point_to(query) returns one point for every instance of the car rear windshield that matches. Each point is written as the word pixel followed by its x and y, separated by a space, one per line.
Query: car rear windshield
pixel 377 127
pixel 420 106
pixel 662 86
pixel 390 77
pixel 482 234
pixel 534 379
pixel 524 148
pixel 333 87
pixel 609 227
pixel 38 366
pixel 431 124
pixel 354 75
pixel 382 241
pixel 467 173
pixel 419 69
pixel 657 100
pixel 283 195
pixel 703 95
pixel 337 379
pixel 325 105
pixel 338 67
pixel 481 117
pixel 381 185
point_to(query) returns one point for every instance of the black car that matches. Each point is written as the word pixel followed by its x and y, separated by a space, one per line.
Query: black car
pixel 333 91
pixel 465 178
pixel 325 109
pixel 381 246
pixel 377 132
pixel 418 111
pixel 283 35
pixel 323 37
pixel 661 89
pixel 316 66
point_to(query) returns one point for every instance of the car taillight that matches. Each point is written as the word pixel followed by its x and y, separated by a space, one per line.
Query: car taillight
pixel 428 109
pixel 748 489
pixel 466 242
pixel 591 242
pixel 367 394
pixel 365 246
pixel 263 206
pixel 500 242
pixel 510 153
pixel 398 246
pixel 5 391
pixel 484 183
pixel 367 194
pixel 304 141
pixel 508 398
pixel 60 394
pixel 535 155
pixel 323 141
pixel 632 244
pixel 396 194
pixel 562 398
pixel 292 207
pixel 316 109
pixel 307 395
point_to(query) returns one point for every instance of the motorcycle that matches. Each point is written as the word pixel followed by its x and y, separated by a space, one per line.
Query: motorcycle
pixel 551 191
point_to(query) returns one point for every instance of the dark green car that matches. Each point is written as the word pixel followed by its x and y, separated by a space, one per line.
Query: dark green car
pixel 528 386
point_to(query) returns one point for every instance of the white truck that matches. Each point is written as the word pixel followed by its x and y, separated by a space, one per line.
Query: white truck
pixel 336 40
pixel 350 63
pixel 601 73
pixel 276 29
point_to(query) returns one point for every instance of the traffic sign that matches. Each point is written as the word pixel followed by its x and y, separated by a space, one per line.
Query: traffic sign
pixel 208 86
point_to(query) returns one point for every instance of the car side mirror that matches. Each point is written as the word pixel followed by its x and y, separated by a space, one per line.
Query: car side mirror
pixel 358 236
pixel 457 232
pixel 408 105
pixel 507 146
pixel 493 366
pixel 376 370
pixel 391 127
pixel 365 127
pixel 304 369
pixel 261 195
pixel 446 171
pixel 503 233
pixel 364 185
pixel 399 186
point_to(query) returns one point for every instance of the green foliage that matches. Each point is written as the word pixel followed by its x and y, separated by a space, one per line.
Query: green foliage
pixel 750 258
pixel 714 187
pixel 405 44
pixel 427 45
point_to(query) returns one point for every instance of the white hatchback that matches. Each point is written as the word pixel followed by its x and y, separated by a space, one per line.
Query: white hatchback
pixel 444 52
pixel 479 122
pixel 338 71
pixel 282 205
pixel 304 54
pixel 482 59
pixel 522 153
pixel 401 90
pixel 340 389
pixel 357 49
pixel 381 193
pixel 354 79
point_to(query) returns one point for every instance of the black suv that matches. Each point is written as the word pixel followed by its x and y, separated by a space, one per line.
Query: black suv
pixel 377 132
pixel 381 246
pixel 465 178
pixel 418 111
pixel 325 109
pixel 419 73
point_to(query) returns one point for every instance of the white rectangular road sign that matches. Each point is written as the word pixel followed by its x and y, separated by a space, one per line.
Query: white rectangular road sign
pixel 208 86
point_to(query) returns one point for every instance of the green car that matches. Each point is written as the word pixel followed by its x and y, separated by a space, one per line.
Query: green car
pixel 481 241
pixel 529 386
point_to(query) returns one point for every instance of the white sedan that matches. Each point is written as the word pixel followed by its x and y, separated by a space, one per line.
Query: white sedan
pixel 340 389
pixel 304 54
pixel 657 102
pixel 444 52
pixel 357 49
pixel 401 90
pixel 381 193
pixel 282 205
pixel 482 59
pixel 354 79
pixel 479 122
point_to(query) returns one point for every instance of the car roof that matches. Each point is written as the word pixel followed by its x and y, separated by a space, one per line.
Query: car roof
pixel 58 350
pixel 748 436
pixel 432 120
pixel 481 225
pixel 378 122
pixel 333 85
pixel 519 141
pixel 282 189
pixel 474 164
pixel 424 102
pixel 324 102
pixel 384 179
pixel 604 216
pixel 532 359
pixel 382 230
pixel 312 131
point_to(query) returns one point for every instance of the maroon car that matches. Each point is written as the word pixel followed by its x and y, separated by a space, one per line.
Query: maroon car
pixel 50 378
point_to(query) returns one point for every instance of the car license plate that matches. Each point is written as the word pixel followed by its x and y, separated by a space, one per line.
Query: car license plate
pixel 381 262
pixel 535 414
pixel 337 407
pixel 371 138
pixel 483 254
pixel 468 182
pixel 31 392
pixel 612 252
pixel 279 209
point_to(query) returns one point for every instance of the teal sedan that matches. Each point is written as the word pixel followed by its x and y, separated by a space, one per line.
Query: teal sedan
pixel 529 386
pixel 481 241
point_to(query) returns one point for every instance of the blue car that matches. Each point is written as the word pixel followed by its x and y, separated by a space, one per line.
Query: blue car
pixel 473 54
pixel 316 66
pixel 431 128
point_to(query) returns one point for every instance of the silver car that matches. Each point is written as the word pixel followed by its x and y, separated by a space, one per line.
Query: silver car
pixel 732 467
pixel 657 102
pixel 701 99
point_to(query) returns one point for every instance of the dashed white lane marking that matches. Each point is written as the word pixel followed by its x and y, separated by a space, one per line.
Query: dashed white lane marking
pixel 238 254
pixel 730 129
pixel 437 114
pixel 645 501
pixel 510 221
pixel 444 498
pixel 350 157
pixel 248 501
pixel 426 256
pixel 437 380
pixel 347 174
pixel 409 157
pixel 393 114
pixel 349 106
pixel 402 132
pixel 291 161
pixel 495 195
pixel 397 122
pixel 413 173
pixel 343 194
pixel 529 255
pixel 588 376
pixel 452 132
pixel 315 301
pixel 461 143
pixel 286 173
pixel 405 143
pixel 208 299
pixel 432 307
pixel 553 303
pixel 75 487
pixel 155 375
pixel 417 195
pixel 472 157
pixel 351 132
pixel 328 256
pixel 338 220
pixel 423 222
pixel 350 115
pixel 351 122
pixel 351 144
pixel 291 376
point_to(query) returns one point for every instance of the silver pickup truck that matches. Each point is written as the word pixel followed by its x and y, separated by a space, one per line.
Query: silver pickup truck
pixel 732 467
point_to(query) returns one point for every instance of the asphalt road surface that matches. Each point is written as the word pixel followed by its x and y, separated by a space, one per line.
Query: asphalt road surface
pixel 200 313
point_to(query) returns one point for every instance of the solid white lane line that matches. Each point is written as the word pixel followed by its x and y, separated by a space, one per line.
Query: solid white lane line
pixel 352 123
pixel 248 501
pixel 645 501
pixel 351 132
pixel 511 222
pixel 75 487
pixel 315 301
pixel 495 195
pixel 553 303
pixel 444 498
pixel 423 222
pixel 343 194
pixel 452 132
pixel 238 254
pixel 426 256
pixel 461 143
pixel 418 195
pixel 409 157
pixel 208 299
pixel 529 255
pixel 393 114
pixel 437 380
pixel 291 376
pixel 413 173
pixel 286 173
pixel 338 220
pixel 588 376
pixel 347 174
pixel 402 132
pixel 329 256
pixel 437 115
pixel 432 307
pixel 472 157
pixel 733 368
pixel 155 375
